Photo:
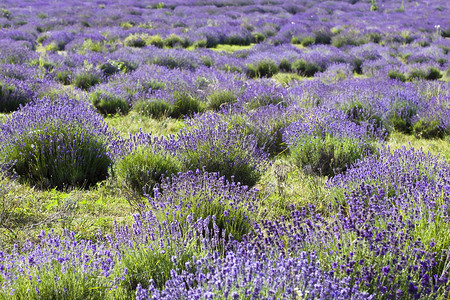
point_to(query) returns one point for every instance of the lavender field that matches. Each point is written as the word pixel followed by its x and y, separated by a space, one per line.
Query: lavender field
pixel 224 149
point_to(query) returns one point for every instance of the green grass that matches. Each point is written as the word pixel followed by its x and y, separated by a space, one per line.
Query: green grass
pixel 3 117
pixel 27 211
pixel 231 48
pixel 284 185
pixel 299 46
pixel 434 146
pixel 134 122
pixel 286 78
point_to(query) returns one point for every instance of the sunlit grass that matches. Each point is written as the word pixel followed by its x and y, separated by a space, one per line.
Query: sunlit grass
pixel 231 48
pixel 3 118
pixel 84 212
pixel 286 78
pixel 434 146
pixel 285 186
pixel 134 122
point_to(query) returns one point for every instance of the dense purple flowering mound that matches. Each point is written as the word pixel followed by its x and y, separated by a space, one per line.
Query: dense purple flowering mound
pixel 264 94
pixel 46 138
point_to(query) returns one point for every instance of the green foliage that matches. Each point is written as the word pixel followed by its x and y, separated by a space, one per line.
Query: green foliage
pixel 5 13
pixel 140 171
pixel 231 163
pixel 265 100
pixel 219 98
pixel 154 108
pixel 263 68
pixel 86 80
pixel 174 40
pixel 271 142
pixel 358 113
pixel 156 41
pixel 307 41
pixel 237 40
pixel 42 38
pixel 323 37
pixel 207 61
pixel 68 286
pixel 373 5
pixel 350 38
pixel 401 117
pixel 428 129
pixel 305 68
pixel 90 45
pixel 286 78
pixel 65 77
pixel 84 163
pixel 109 69
pixel 397 75
pixel 143 39
pixel 285 65
pixel 432 73
pixel 200 44
pixel 126 25
pixel 108 103
pixel 112 67
pixel 185 105
pixel 11 97
pixel 232 220
pixel 258 37
pixel 327 156
pixel 144 263
pixel 134 40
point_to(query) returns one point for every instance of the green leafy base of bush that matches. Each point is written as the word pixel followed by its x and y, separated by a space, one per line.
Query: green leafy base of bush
pixel 230 163
pixel 285 65
pixel 85 81
pixel 154 108
pixel 141 171
pixel 233 221
pixel 64 77
pixel 66 159
pixel 185 105
pixel 109 104
pixel 143 264
pixel 432 73
pixel 397 75
pixel 358 113
pixel 428 129
pixel 10 98
pixel 328 156
pixel 305 68
pixel 219 98
pixel 401 124
pixel 264 68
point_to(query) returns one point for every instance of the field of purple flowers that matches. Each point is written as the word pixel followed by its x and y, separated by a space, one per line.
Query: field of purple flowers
pixel 224 149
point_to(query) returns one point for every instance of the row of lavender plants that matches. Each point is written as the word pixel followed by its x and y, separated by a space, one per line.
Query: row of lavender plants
pixel 376 238
pixel 385 233
pixel 99 46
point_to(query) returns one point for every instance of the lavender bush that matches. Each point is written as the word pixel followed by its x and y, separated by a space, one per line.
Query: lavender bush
pixel 57 144
pixel 326 142
pixel 208 143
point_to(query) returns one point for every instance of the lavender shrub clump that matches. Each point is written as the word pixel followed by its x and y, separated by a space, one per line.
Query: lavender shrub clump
pixel 211 144
pixel 326 142
pixel 56 144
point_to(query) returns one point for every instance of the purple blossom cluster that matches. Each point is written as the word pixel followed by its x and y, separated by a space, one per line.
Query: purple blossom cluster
pixel 55 144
